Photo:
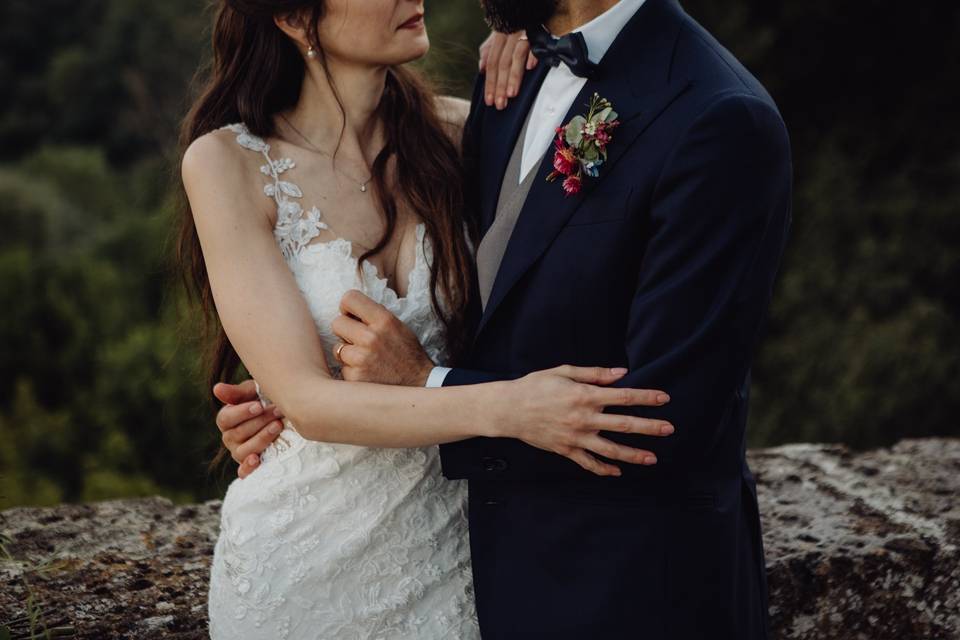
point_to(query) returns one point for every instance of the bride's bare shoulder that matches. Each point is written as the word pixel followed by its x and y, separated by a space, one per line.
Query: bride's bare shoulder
pixel 213 153
pixel 215 164
pixel 453 113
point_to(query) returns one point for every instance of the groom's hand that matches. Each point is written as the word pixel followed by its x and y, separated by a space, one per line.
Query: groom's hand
pixel 247 427
pixel 376 346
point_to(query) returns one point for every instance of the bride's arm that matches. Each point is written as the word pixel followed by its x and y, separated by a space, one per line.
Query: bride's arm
pixel 453 114
pixel 270 326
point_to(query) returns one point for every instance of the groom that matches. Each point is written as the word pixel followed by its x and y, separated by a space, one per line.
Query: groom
pixel 662 260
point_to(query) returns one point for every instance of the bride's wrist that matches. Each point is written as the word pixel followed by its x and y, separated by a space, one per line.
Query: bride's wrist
pixel 490 409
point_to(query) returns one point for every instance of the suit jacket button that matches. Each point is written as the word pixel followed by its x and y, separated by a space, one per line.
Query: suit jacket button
pixel 494 465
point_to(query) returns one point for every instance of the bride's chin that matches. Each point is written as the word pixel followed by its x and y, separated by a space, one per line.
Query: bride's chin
pixel 417 51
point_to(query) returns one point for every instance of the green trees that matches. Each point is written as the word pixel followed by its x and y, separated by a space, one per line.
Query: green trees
pixel 98 391
pixel 862 344
pixel 99 388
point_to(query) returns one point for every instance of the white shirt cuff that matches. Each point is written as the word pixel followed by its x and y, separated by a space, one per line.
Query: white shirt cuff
pixel 436 377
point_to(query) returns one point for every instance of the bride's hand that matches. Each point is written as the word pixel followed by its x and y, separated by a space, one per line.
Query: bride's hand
pixel 561 410
pixel 504 58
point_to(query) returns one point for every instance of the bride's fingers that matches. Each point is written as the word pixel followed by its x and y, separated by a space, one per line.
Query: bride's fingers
pixel 615 451
pixel 518 67
pixel 631 424
pixel 627 397
pixel 590 375
pixel 485 49
pixel 492 67
pixel 593 465
pixel 504 65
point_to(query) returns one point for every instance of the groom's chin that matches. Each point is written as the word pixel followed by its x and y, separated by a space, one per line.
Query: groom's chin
pixel 507 16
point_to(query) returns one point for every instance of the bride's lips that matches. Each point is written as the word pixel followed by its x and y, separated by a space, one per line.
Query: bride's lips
pixel 416 22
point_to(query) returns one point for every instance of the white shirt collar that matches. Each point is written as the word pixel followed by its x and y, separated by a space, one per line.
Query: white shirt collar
pixel 600 32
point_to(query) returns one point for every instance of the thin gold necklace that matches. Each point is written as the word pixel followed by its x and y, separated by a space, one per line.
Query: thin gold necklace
pixel 363 185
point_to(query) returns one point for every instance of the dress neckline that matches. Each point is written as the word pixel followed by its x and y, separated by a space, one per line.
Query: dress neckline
pixel 295 229
pixel 371 269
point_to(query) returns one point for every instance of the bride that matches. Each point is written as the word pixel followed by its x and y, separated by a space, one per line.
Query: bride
pixel 317 165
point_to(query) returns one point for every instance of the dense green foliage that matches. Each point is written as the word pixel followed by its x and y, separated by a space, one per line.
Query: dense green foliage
pixel 100 393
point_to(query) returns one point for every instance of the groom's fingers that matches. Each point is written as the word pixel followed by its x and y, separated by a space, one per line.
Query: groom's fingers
pixel 351 331
pixel 357 304
pixel 258 443
pixel 248 466
pixel 593 465
pixel 235 437
pixel 232 415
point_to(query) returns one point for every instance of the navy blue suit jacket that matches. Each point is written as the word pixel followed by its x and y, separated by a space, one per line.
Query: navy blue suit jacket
pixel 665 265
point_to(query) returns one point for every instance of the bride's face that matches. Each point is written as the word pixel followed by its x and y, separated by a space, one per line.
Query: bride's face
pixel 375 32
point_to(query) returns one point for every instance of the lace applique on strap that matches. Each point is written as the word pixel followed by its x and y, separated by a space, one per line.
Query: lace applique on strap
pixel 294 229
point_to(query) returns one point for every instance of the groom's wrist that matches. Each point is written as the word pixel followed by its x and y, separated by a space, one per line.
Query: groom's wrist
pixel 435 377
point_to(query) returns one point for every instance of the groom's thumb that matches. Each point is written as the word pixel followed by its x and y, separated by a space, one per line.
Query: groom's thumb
pixel 235 393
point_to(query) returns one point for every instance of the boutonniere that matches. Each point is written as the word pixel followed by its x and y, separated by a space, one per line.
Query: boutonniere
pixel 581 145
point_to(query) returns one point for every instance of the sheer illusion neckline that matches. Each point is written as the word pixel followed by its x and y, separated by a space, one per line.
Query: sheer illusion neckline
pixel 369 267
pixel 296 229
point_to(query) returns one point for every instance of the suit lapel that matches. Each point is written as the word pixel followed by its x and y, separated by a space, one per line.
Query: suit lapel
pixel 635 77
pixel 506 126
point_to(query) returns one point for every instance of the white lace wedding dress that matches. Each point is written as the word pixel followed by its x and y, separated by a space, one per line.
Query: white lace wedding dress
pixel 339 542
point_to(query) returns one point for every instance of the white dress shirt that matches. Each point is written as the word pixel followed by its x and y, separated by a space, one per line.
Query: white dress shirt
pixel 557 93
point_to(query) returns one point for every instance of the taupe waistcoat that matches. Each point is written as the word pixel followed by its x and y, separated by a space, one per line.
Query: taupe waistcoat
pixel 513 194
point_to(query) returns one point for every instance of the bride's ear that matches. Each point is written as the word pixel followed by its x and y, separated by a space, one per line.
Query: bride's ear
pixel 292 24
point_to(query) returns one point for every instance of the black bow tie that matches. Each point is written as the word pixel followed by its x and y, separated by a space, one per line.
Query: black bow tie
pixel 571 50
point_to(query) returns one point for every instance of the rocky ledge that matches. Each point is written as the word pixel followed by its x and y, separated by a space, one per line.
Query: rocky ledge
pixel 859 546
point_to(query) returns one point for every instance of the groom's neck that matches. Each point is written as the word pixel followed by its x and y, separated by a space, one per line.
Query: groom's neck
pixel 571 14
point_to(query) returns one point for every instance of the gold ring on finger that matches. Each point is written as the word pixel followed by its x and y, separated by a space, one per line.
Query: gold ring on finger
pixel 337 352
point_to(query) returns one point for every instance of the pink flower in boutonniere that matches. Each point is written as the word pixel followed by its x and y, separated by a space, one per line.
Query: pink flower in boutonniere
pixel 581 145
pixel 564 162
pixel 572 185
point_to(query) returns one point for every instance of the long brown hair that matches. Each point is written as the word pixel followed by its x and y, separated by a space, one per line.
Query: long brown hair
pixel 257 71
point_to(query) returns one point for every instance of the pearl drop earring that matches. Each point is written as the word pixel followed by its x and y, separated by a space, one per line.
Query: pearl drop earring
pixel 311 52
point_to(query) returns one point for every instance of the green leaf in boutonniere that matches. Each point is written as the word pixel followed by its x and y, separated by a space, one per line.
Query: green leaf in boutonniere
pixel 574 131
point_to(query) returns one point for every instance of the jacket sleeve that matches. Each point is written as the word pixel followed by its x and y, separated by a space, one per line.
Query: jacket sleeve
pixel 458 376
pixel 717 229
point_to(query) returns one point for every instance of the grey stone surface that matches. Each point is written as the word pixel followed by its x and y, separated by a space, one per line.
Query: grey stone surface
pixel 859 546
pixel 862 546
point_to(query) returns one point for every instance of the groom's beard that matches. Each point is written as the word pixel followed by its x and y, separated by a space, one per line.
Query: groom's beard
pixel 507 16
